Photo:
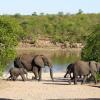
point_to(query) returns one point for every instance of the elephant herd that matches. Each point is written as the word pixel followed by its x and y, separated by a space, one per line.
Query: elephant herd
pixel 83 69
pixel 28 63
pixel 24 64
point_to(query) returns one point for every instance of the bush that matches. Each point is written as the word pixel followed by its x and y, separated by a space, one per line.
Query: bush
pixel 98 77
pixel 91 51
pixel 10 33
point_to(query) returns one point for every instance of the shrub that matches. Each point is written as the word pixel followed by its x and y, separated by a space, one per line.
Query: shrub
pixel 10 33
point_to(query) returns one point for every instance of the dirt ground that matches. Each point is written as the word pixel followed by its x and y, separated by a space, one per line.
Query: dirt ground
pixel 47 90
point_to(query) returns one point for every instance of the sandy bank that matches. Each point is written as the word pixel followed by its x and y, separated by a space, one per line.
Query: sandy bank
pixel 47 90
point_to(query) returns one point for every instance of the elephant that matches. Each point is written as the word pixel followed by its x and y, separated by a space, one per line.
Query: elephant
pixel 69 70
pixel 35 64
pixel 83 68
pixel 15 72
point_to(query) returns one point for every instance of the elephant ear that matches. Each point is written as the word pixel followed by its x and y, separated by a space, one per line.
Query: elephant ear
pixel 47 62
pixel 39 61
pixel 27 60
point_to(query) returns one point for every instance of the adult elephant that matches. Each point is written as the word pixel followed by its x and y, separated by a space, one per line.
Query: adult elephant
pixel 82 68
pixel 35 64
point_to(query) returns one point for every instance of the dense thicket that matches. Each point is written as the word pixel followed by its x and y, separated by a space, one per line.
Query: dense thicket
pixel 10 33
pixel 60 27
pixel 91 51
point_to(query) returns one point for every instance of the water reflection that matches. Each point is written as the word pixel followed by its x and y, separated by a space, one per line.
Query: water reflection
pixel 60 61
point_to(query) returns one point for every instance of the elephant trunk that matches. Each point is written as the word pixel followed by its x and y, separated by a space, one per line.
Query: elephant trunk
pixel 51 73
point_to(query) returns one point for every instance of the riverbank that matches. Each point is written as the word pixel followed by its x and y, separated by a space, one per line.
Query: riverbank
pixel 48 90
pixel 47 50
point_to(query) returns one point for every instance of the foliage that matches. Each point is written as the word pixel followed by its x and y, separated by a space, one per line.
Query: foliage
pixel 98 76
pixel 91 51
pixel 9 36
pixel 61 27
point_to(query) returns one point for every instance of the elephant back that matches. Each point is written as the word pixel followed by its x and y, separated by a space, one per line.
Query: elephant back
pixel 38 61
pixel 27 60
pixel 81 68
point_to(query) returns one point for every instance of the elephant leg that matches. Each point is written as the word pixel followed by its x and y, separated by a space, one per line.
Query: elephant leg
pixel 71 76
pixel 9 78
pixel 94 76
pixel 23 77
pixel 13 78
pixel 65 75
pixel 27 76
pixel 35 71
pixel 75 80
pixel 84 79
pixel 40 73
pixel 69 81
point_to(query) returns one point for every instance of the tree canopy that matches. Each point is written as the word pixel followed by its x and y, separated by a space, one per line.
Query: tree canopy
pixel 60 27
pixel 91 51
pixel 10 31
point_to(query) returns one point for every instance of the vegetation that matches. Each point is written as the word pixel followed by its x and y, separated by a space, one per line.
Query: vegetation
pixel 10 31
pixel 60 27
pixel 98 77
pixel 91 51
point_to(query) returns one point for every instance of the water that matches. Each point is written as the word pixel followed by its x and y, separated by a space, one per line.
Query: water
pixel 59 58
pixel 62 60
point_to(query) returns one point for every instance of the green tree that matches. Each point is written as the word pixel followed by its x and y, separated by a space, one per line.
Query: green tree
pixel 10 33
pixel 60 13
pixel 17 15
pixel 80 11
pixel 34 14
pixel 91 51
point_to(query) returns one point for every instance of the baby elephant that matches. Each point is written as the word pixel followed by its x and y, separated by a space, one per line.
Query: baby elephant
pixel 15 72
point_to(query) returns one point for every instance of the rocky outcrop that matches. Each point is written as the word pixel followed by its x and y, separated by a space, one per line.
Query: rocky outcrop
pixel 47 43
pixel 44 42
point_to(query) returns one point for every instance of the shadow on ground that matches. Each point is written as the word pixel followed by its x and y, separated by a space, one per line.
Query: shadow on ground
pixel 9 99
pixel 60 81
pixel 76 99
pixel 94 86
